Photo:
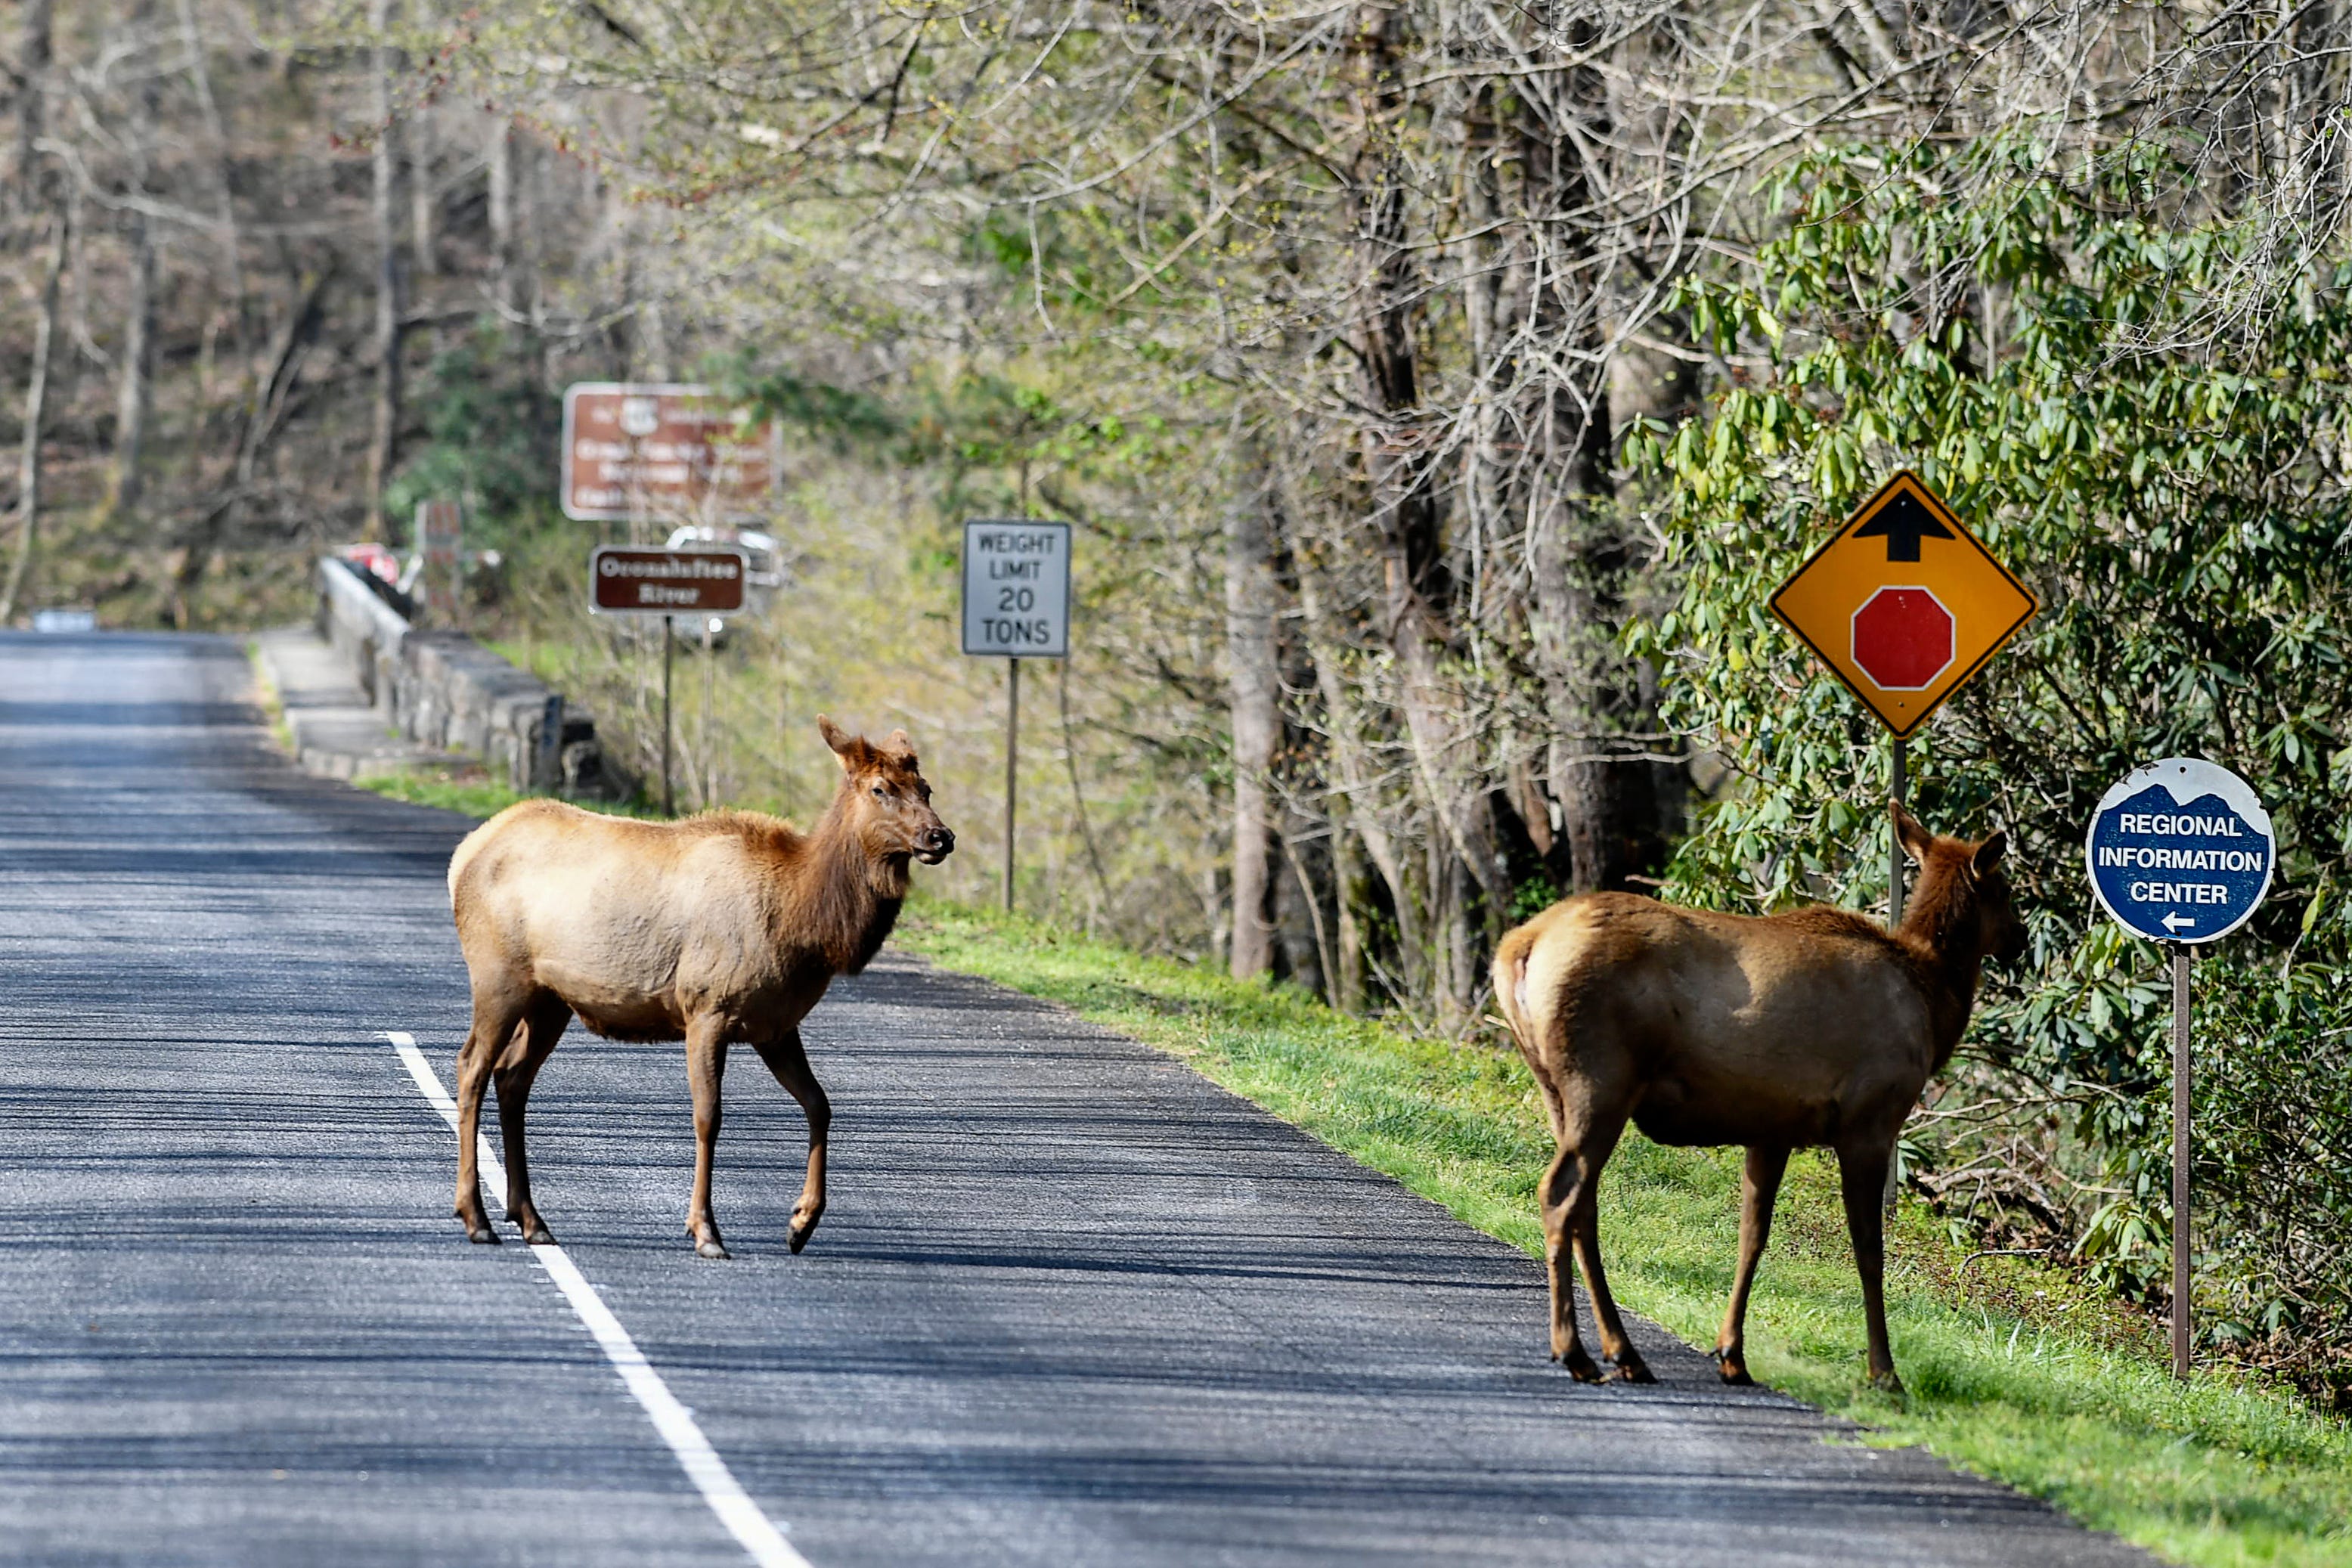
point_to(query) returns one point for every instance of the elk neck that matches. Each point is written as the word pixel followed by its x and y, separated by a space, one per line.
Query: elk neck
pixel 849 895
pixel 1940 931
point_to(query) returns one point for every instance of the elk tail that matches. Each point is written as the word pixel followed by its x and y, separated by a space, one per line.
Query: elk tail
pixel 1511 980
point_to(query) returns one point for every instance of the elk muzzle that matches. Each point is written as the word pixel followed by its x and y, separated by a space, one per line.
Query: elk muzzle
pixel 934 845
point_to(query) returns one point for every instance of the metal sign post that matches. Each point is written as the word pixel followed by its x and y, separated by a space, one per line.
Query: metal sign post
pixel 1897 784
pixel 2182 1305
pixel 2180 852
pixel 1016 606
pixel 629 580
pixel 669 652
pixel 1012 764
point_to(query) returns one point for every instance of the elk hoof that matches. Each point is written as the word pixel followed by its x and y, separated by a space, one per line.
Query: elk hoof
pixel 1580 1365
pixel 711 1246
pixel 1886 1382
pixel 1734 1373
pixel 479 1233
pixel 1634 1369
pixel 537 1236
pixel 801 1232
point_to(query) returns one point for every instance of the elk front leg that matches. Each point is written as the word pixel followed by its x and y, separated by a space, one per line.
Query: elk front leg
pixel 1862 1177
pixel 1759 1188
pixel 494 1025
pixel 517 1068
pixel 706 1063
pixel 787 1060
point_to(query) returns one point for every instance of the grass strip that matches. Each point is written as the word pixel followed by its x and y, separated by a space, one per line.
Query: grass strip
pixel 2015 1370
pixel 471 791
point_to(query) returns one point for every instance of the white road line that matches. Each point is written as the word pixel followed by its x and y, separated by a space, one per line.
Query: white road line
pixel 673 1420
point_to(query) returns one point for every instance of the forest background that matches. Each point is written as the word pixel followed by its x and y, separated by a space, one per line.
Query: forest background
pixel 1436 388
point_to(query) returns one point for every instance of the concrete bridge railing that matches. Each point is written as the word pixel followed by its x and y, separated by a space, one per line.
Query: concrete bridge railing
pixel 444 690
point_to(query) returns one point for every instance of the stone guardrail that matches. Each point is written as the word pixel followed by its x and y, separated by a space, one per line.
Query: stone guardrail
pixel 444 690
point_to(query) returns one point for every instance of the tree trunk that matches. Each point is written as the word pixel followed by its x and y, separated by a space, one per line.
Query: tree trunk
pixel 36 399
pixel 1544 458
pixel 134 397
pixel 423 200
pixel 1256 679
pixel 500 157
pixel 384 437
pixel 200 76
pixel 134 394
pixel 32 57
pixel 1408 528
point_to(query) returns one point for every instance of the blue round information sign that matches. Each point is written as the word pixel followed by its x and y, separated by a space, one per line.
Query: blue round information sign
pixel 2182 851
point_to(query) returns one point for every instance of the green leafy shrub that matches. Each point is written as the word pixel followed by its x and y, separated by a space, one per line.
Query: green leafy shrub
pixel 2049 353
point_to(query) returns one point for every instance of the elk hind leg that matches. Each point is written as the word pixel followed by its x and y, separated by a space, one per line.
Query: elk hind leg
pixel 542 1025
pixel 1862 1178
pixel 787 1060
pixel 1587 1134
pixel 496 1014
pixel 705 1065
pixel 1759 1188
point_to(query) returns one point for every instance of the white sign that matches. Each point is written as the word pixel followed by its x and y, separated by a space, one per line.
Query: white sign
pixel 1016 589
pixel 2181 851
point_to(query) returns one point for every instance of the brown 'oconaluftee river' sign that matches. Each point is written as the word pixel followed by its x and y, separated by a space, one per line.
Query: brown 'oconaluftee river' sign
pixel 632 580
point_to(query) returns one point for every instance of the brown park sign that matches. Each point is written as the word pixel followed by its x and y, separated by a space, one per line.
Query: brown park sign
pixel 631 580
pixel 668 452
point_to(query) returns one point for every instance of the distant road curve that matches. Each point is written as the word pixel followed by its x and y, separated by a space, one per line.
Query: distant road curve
pixel 1071 1304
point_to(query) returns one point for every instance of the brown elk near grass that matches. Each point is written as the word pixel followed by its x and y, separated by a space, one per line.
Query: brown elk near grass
pixel 1816 1027
pixel 722 929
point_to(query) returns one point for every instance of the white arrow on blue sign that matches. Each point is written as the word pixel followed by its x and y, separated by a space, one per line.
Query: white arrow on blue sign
pixel 2182 851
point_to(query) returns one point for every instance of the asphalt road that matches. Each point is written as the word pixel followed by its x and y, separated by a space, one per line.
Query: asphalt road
pixel 1070 1303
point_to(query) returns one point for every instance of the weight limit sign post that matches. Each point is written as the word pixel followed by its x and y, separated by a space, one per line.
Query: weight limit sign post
pixel 1016 606
pixel 2180 852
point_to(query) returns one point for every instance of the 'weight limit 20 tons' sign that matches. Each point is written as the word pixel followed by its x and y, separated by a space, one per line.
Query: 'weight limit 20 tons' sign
pixel 1016 589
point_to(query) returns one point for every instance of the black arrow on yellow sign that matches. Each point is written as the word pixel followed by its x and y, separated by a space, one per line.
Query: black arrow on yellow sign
pixel 1903 522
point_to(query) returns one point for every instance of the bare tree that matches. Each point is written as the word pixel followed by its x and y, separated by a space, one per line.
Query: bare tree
pixel 134 396
pixel 391 306
pixel 1253 671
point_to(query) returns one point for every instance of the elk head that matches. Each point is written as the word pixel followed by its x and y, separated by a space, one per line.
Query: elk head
pixel 1969 878
pixel 884 800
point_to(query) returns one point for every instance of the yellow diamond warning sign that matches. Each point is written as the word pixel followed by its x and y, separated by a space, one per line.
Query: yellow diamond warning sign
pixel 1903 605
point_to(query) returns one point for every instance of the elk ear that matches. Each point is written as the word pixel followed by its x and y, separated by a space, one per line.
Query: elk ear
pixel 843 743
pixel 1990 853
pixel 1914 838
pixel 899 748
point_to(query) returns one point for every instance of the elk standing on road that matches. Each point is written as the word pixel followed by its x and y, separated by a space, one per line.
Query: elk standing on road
pixel 722 927
pixel 1816 1027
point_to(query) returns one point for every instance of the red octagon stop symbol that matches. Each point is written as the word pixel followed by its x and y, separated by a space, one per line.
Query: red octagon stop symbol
pixel 1902 638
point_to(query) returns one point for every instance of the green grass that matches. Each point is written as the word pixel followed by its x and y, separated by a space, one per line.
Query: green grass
pixel 2014 1370
pixel 470 791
